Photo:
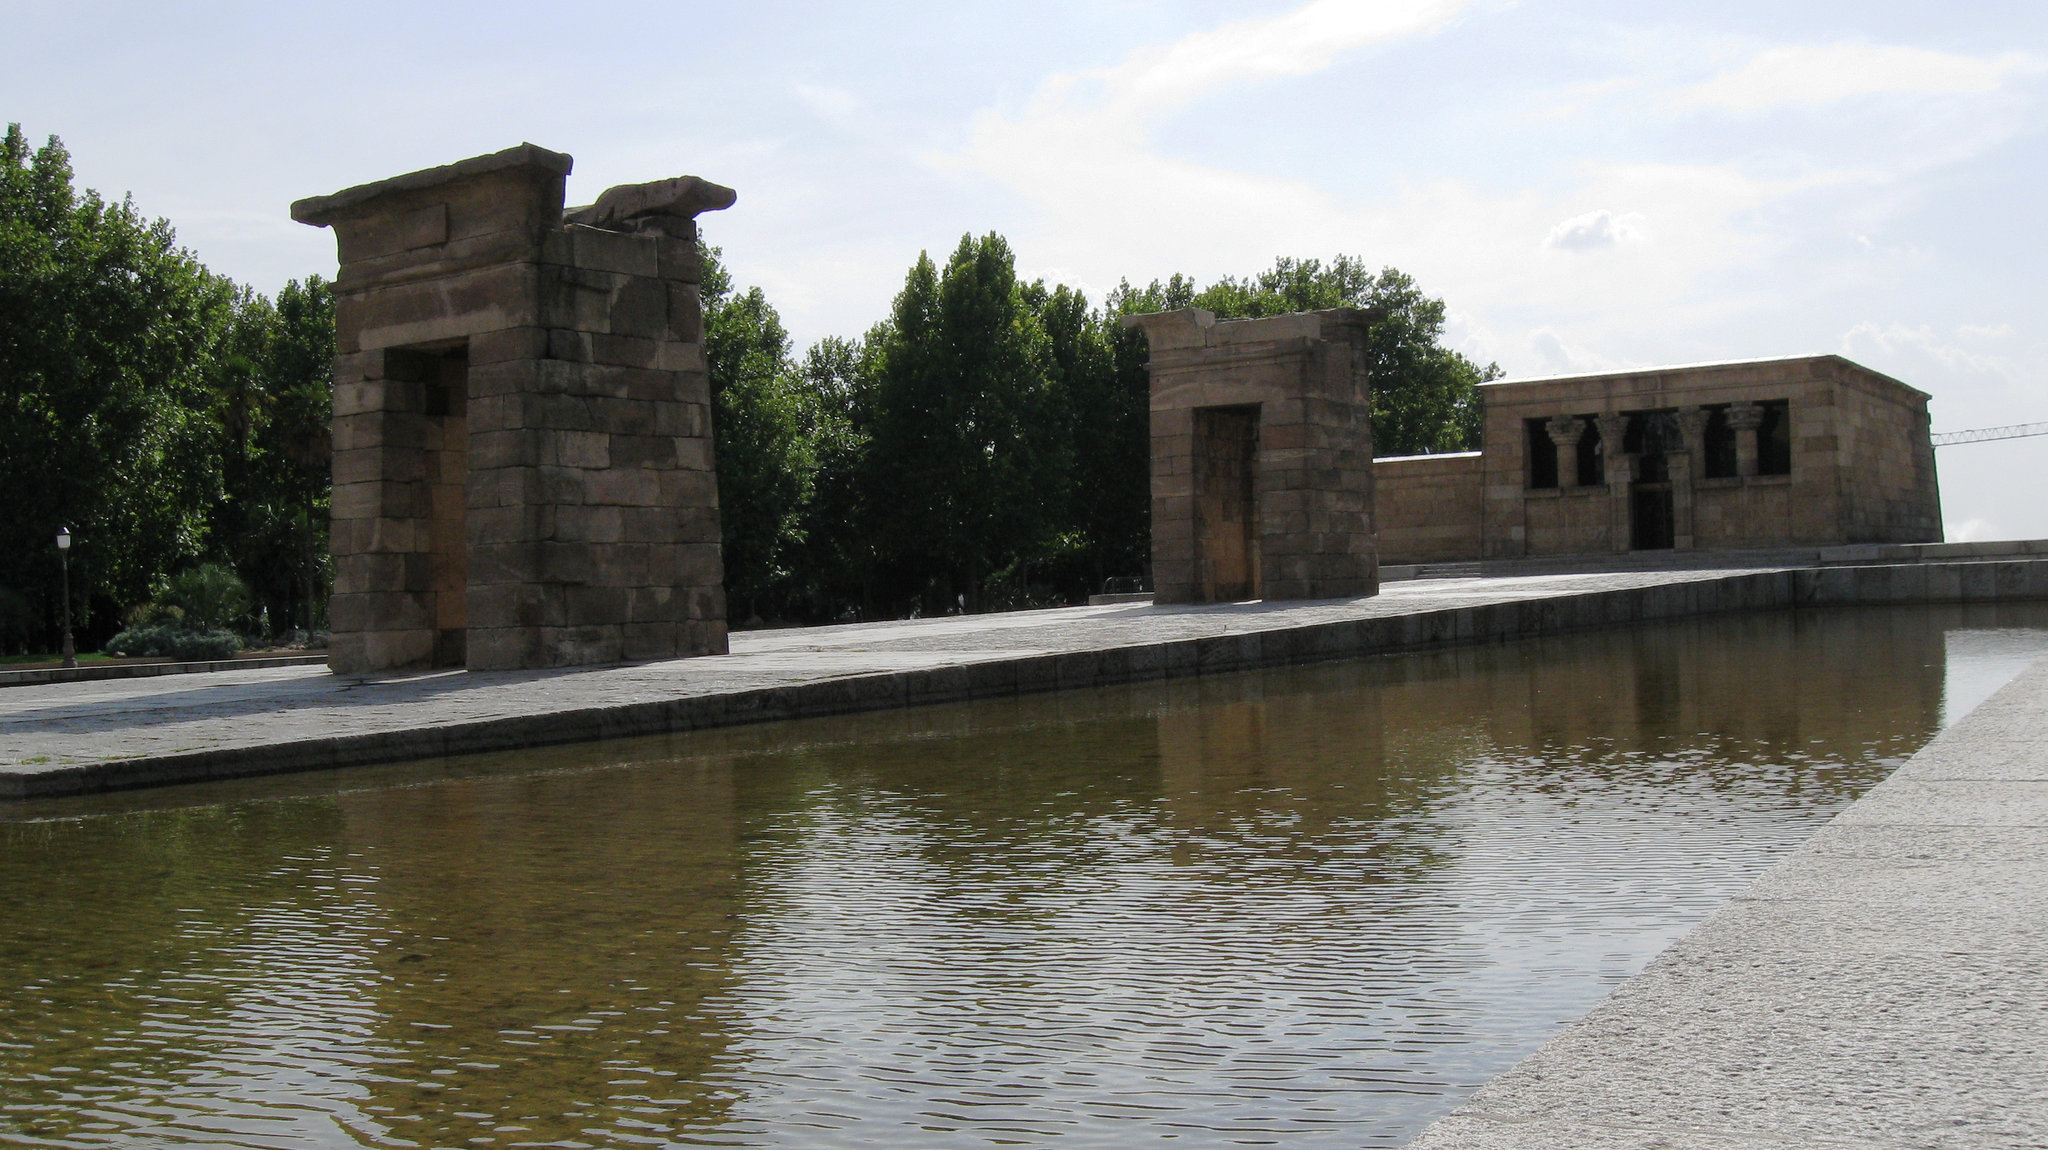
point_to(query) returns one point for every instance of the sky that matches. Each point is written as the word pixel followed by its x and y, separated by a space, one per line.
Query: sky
pixel 1588 184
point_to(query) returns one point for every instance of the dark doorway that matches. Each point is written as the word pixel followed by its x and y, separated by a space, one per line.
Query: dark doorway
pixel 1651 523
pixel 440 375
pixel 1226 503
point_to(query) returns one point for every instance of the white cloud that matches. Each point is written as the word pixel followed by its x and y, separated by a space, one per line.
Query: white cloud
pixel 1106 201
pixel 1297 43
pixel 1558 356
pixel 1985 331
pixel 1920 348
pixel 1078 151
pixel 1107 110
pixel 1596 230
pixel 1827 73
pixel 1972 530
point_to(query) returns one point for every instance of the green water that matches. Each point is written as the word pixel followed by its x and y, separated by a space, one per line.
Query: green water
pixel 1312 907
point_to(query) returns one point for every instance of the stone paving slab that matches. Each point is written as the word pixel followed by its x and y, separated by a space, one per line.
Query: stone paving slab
pixel 80 737
pixel 1885 986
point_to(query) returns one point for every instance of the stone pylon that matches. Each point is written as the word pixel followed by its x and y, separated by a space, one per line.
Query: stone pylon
pixel 523 471
pixel 1262 468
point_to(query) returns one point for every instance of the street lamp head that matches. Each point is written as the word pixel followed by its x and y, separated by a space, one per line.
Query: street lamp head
pixel 63 538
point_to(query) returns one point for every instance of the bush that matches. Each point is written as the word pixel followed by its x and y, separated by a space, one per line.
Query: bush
pixel 208 597
pixel 182 643
pixel 206 646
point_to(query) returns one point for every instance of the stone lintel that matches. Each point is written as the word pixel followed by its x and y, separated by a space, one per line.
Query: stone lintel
pixel 323 211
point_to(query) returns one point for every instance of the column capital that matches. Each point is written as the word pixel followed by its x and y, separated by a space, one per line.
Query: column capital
pixel 1565 430
pixel 1613 432
pixel 1745 416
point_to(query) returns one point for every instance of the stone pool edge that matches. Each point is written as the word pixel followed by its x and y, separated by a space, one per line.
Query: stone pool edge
pixel 1002 674
pixel 1880 987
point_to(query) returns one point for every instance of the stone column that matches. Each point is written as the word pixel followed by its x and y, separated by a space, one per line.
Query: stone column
pixel 1692 425
pixel 1565 432
pixel 1620 471
pixel 1744 419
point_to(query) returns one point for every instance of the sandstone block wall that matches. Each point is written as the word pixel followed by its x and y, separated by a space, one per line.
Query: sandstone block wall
pixel 1262 476
pixel 1428 507
pixel 523 467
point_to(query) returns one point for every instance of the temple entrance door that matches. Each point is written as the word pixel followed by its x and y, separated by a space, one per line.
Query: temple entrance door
pixel 1652 525
pixel 1226 503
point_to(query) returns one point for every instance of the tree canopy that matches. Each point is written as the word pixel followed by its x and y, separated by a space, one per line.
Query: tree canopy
pixel 163 413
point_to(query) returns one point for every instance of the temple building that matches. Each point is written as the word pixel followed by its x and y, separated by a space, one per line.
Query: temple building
pixel 1805 451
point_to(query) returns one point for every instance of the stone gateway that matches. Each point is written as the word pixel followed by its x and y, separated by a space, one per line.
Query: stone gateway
pixel 523 471
pixel 1262 470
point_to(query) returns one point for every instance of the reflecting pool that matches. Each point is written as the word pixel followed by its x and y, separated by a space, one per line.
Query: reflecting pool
pixel 1311 907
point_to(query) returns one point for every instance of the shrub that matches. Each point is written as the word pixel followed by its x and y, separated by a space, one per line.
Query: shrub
pixel 141 641
pixel 207 597
pixel 170 640
pixel 205 646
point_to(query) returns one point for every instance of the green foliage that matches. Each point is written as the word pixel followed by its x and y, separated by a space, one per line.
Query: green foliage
pixel 163 413
pixel 969 449
pixel 208 597
pixel 273 408
pixel 764 458
pixel 111 340
pixel 172 640
pixel 837 558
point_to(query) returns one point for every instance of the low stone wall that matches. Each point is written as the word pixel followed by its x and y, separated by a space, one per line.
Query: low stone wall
pixel 1428 507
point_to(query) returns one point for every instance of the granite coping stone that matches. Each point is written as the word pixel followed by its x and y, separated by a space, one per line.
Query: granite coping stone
pixel 81 737
pixel 1885 986
pixel 89 671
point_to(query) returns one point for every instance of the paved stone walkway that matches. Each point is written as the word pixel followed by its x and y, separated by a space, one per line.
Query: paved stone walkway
pixel 48 732
pixel 1886 986
pixel 78 737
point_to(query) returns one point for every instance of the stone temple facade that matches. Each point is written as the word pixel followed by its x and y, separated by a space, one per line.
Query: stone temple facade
pixel 1262 468
pixel 1806 451
pixel 523 471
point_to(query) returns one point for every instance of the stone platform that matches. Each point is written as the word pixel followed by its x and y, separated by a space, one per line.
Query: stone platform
pixel 1886 986
pixel 80 737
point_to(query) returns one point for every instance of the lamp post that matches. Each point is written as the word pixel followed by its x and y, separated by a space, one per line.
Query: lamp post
pixel 64 560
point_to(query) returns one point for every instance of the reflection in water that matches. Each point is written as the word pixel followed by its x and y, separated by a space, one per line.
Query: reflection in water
pixel 1315 906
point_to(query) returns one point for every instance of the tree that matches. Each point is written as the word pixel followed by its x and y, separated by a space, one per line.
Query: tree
pixel 968 450
pixel 1102 390
pixel 838 555
pixel 763 457
pixel 109 339
pixel 276 399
